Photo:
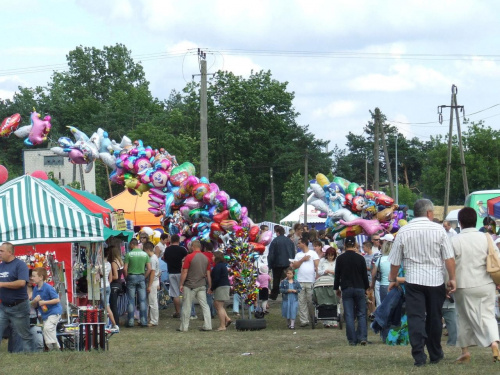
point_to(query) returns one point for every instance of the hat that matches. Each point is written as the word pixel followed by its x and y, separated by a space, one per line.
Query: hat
pixel 325 248
pixel 479 202
pixel 387 237
pixel 263 269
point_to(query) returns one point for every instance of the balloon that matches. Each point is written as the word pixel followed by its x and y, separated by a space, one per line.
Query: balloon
pixel 180 173
pixel 224 215
pixel 266 237
pixel 10 125
pixel 199 190
pixel 192 203
pixel 184 210
pixel 253 233
pixel 322 180
pixel 235 211
pixel 221 200
pixel 156 238
pixel 39 130
pixel 342 182
pixel 147 230
pixel 244 211
pixel 4 174
pixel 215 231
pixel 40 174
pixel 379 198
pixel 258 247
pixel 351 189
pixel 358 203
pixel 228 225
pixel 370 227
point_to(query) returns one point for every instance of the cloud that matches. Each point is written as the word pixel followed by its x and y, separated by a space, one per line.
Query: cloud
pixel 5 94
pixel 402 77
pixel 340 108
pixel 121 9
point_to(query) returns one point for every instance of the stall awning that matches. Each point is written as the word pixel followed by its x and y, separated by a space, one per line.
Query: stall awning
pixel 34 212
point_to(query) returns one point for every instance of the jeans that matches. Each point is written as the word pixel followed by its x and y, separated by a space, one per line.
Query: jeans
pixel 19 317
pixel 137 283
pixel 210 301
pixel 450 318
pixel 383 292
pixel 187 300
pixel 116 289
pixel 354 302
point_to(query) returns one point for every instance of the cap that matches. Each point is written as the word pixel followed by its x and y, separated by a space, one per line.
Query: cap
pixel 387 237
pixel 263 269
pixel 325 248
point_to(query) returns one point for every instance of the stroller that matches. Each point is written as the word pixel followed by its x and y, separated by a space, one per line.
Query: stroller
pixel 326 304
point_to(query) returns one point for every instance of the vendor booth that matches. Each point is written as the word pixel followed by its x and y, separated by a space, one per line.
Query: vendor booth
pixel 41 219
pixel 297 216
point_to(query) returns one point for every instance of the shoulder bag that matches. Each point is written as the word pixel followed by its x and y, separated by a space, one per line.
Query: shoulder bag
pixel 493 262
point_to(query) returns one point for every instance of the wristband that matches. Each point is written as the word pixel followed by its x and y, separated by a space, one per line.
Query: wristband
pixel 393 281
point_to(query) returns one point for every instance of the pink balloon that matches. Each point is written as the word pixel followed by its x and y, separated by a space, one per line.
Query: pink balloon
pixel 266 237
pixel 40 174
pixel 4 174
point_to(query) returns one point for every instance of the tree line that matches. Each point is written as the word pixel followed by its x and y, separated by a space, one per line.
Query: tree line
pixel 252 126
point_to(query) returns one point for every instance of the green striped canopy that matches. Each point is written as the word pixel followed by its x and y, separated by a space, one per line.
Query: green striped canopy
pixel 31 212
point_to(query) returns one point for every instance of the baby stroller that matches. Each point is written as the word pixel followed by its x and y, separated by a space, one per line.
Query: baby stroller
pixel 326 303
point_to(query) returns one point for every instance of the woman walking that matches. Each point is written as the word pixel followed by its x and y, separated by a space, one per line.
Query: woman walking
pixel 220 289
pixel 475 295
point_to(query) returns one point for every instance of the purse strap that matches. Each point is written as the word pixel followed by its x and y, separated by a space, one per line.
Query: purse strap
pixel 491 249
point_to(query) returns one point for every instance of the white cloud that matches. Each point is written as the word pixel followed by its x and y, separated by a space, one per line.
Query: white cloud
pixel 340 108
pixel 5 94
pixel 402 77
pixel 121 9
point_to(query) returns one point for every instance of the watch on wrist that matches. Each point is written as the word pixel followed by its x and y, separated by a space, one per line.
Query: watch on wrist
pixel 393 281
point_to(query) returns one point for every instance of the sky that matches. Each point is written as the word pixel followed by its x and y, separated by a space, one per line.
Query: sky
pixel 341 58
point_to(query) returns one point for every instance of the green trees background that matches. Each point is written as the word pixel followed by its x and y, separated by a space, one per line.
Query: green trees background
pixel 252 127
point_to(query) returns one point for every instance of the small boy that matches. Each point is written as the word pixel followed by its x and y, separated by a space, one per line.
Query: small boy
pixel 46 299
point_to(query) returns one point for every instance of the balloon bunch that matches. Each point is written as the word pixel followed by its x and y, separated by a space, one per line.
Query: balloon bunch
pixel 35 133
pixel 241 258
pixel 350 210
pixel 153 234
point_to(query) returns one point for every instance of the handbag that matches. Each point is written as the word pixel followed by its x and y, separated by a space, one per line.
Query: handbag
pixel 378 275
pixel 493 262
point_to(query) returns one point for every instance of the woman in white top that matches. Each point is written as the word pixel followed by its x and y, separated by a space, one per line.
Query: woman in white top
pixel 475 295
pixel 327 268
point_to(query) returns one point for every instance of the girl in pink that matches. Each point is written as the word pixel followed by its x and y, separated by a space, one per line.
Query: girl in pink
pixel 263 281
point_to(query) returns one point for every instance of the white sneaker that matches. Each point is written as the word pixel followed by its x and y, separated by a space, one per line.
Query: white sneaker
pixel 114 329
pixel 193 317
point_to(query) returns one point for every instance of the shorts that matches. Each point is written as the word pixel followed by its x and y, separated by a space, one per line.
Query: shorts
pixel 175 280
pixel 222 293
pixel 264 294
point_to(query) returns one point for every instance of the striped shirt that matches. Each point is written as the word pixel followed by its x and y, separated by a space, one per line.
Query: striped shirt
pixel 422 246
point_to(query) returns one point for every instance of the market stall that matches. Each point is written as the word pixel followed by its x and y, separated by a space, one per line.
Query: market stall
pixel 36 212
pixel 135 208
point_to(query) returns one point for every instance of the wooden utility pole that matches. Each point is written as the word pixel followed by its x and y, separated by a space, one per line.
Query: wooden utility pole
pixel 272 194
pixel 453 109
pixel 203 116
pixel 306 185
pixel 387 160
pixel 376 166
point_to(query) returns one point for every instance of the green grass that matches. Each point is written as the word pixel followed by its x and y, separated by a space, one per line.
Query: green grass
pixel 275 350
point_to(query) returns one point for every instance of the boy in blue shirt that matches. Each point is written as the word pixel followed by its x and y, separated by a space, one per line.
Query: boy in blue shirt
pixel 46 299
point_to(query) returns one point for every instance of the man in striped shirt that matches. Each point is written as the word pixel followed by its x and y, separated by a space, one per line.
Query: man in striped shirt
pixel 421 247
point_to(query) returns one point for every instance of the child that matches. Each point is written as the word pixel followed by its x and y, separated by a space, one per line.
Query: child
pixel 263 279
pixel 46 299
pixel 290 289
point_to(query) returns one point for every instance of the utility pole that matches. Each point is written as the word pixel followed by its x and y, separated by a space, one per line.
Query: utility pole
pixel 453 108
pixel 272 195
pixel 376 151
pixel 386 157
pixel 203 115
pixel 306 184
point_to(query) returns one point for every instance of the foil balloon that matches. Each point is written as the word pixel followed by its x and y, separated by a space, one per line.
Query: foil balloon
pixel 235 211
pixel 322 180
pixel 224 215
pixel 199 190
pixel 39 130
pixel 258 247
pixel 266 237
pixel 253 233
pixel 215 231
pixel 180 173
pixel 228 225
pixel 10 125
pixel 192 203
pixel 221 200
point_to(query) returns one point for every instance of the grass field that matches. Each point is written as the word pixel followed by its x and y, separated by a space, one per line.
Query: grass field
pixel 275 350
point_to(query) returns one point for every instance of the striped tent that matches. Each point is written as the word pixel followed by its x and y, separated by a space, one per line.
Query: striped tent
pixel 32 211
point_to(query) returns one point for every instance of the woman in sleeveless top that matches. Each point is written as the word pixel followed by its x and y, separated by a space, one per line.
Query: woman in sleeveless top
pixel 115 258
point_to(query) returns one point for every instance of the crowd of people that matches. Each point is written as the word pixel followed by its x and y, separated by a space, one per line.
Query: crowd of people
pixel 406 285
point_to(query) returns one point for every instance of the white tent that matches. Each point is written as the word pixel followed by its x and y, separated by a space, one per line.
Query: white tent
pixel 297 216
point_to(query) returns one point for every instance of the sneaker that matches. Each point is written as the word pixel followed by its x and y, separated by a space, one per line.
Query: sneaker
pixel 176 316
pixel 194 317
pixel 114 329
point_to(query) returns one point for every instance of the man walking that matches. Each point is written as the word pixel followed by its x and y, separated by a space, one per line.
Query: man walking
pixel 281 250
pixel 174 254
pixel 15 307
pixel 422 246
pixel 306 262
pixel 449 230
pixel 195 282
pixel 137 268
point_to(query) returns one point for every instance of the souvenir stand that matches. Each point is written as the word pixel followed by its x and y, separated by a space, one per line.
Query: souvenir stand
pixel 35 212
